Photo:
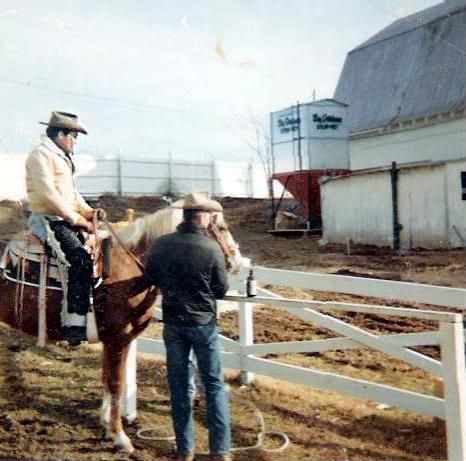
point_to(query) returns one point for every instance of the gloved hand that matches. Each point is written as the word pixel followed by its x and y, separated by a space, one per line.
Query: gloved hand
pixel 84 223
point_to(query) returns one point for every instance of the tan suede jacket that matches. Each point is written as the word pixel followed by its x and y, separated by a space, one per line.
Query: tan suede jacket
pixel 50 184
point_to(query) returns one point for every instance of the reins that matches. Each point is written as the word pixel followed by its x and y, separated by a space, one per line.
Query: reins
pixel 215 231
pixel 121 243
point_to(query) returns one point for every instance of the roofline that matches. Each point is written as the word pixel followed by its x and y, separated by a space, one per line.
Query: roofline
pixel 446 15
pixel 399 166
pixel 312 102
pixel 410 123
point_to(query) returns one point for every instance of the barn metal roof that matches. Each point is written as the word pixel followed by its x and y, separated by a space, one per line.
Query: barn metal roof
pixel 413 68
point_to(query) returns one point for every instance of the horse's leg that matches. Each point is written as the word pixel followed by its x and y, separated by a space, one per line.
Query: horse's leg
pixel 116 356
pixel 106 398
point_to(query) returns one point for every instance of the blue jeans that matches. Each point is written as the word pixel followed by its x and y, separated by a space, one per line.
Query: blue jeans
pixel 203 339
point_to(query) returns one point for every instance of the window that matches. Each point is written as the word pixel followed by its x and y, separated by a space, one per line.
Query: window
pixel 463 185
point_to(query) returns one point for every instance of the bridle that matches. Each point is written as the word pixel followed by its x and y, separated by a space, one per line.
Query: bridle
pixel 215 231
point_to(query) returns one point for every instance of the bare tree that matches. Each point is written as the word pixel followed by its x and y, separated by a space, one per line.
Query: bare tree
pixel 255 134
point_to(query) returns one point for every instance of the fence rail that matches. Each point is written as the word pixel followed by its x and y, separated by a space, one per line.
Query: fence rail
pixel 244 354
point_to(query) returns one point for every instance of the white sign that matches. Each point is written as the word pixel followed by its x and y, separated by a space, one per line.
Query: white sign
pixel 286 125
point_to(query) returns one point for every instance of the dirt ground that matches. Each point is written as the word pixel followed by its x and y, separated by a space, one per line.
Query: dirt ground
pixel 49 398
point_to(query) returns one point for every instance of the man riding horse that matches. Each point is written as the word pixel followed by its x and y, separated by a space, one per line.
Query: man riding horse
pixel 59 215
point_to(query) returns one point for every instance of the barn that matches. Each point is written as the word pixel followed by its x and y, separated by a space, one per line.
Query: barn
pixel 406 92
pixel 421 204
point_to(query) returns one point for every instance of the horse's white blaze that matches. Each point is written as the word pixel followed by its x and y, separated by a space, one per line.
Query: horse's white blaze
pixel 105 408
pixel 122 440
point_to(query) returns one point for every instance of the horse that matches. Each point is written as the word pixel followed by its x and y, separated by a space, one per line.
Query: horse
pixel 166 220
pixel 122 304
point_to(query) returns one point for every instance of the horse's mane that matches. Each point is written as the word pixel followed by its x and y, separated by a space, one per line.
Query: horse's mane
pixel 146 229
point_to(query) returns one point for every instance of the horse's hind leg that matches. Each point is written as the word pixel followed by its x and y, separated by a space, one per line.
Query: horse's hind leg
pixel 116 362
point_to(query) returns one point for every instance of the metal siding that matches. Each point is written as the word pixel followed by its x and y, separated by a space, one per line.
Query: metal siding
pixel 325 154
pixel 359 208
pixel 323 141
pixel 142 169
pixel 429 206
pixel 97 185
pixel 456 206
pixel 422 207
pixel 442 141
pixel 143 186
pixel 414 74
pixel 139 176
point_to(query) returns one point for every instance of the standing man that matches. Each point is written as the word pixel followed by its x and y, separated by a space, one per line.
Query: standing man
pixel 189 267
pixel 59 214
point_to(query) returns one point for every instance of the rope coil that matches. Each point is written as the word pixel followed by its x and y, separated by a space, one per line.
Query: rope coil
pixel 260 437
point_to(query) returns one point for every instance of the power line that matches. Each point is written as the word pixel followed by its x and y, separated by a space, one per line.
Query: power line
pixel 26 20
pixel 81 33
pixel 126 102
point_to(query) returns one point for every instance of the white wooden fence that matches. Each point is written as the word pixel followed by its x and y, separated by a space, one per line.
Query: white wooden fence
pixel 244 355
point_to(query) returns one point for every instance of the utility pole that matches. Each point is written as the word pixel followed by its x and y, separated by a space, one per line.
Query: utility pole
pixel 170 172
pixel 300 159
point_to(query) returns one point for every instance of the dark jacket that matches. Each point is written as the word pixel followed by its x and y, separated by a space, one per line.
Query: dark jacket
pixel 189 268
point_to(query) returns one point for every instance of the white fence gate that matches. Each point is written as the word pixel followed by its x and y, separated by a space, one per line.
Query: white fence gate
pixel 244 355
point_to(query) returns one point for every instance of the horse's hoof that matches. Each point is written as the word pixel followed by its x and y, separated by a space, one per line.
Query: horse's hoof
pixel 121 440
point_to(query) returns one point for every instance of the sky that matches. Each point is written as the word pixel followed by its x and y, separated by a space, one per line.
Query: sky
pixel 184 78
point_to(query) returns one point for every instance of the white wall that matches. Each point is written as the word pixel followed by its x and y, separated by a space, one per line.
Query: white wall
pixel 422 207
pixel 325 153
pixel 430 207
pixel 324 137
pixel 359 208
pixel 456 206
pixel 442 141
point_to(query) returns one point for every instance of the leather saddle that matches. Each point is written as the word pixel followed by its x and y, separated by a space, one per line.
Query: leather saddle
pixel 25 254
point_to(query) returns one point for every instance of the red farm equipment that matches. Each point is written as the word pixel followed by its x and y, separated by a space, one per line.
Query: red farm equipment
pixel 304 186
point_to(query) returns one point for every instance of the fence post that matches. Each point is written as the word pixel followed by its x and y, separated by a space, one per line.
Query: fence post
pixel 246 330
pixel 130 392
pixel 120 175
pixel 170 173
pixel 250 187
pixel 454 376
pixel 214 177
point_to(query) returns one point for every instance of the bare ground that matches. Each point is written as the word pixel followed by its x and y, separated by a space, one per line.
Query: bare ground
pixel 49 399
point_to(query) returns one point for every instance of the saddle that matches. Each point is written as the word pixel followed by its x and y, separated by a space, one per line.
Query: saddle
pixel 27 260
pixel 26 255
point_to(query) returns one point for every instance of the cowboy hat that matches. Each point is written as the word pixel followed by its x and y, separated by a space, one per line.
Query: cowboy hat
pixel 65 120
pixel 198 201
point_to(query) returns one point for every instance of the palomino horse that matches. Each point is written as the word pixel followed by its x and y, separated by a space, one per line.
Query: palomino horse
pixel 123 306
pixel 165 221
